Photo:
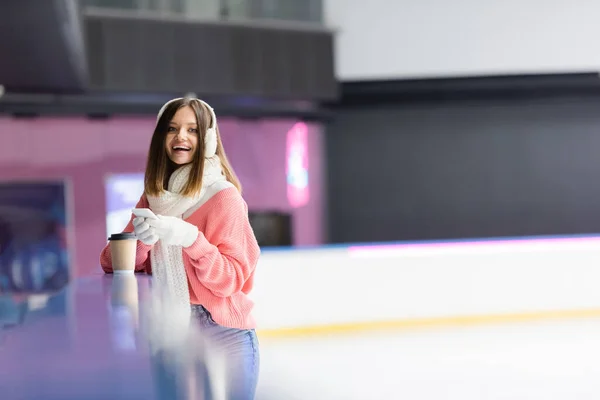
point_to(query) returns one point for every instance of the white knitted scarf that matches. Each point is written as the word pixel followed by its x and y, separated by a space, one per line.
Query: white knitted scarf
pixel 168 270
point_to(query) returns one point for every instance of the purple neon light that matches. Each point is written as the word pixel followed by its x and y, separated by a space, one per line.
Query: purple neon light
pixel 297 165
pixel 483 246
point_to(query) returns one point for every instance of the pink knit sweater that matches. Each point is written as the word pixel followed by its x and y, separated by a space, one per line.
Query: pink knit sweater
pixel 220 264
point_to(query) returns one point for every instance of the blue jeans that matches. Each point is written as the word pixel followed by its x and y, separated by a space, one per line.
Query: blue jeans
pixel 240 349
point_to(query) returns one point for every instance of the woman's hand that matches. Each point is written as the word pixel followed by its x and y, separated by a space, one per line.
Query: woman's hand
pixel 144 232
pixel 173 231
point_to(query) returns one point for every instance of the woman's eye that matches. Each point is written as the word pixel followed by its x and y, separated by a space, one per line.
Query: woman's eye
pixel 171 129
pixel 194 130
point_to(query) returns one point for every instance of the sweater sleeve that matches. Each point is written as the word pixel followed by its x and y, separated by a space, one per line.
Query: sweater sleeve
pixel 225 255
pixel 142 261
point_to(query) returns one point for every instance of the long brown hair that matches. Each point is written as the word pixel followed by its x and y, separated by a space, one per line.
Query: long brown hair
pixel 159 167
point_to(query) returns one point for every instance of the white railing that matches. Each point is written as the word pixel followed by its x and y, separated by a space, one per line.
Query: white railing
pixel 286 10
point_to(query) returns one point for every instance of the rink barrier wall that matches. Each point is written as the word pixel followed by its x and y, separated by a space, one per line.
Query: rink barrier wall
pixel 362 288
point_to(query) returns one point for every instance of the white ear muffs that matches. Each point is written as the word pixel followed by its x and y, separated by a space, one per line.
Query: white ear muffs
pixel 210 138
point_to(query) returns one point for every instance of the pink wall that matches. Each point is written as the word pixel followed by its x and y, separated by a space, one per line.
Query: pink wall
pixel 85 151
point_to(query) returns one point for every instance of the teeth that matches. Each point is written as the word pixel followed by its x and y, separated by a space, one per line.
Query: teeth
pixel 181 148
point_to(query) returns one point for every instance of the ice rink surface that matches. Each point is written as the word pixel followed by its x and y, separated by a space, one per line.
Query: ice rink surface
pixel 538 360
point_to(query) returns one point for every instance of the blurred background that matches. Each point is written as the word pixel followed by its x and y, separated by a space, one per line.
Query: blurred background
pixel 421 177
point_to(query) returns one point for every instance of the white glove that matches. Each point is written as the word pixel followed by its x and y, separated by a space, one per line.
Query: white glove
pixel 144 232
pixel 174 231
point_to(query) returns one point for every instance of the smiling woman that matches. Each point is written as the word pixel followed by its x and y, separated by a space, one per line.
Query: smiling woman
pixel 178 125
pixel 182 136
pixel 200 249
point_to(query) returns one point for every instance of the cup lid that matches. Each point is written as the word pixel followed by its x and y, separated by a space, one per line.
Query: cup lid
pixel 122 236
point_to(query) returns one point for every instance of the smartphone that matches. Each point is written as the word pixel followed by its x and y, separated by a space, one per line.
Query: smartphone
pixel 144 213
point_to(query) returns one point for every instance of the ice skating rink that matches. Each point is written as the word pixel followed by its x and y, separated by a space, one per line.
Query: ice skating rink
pixel 548 360
pixel 502 319
pixel 506 319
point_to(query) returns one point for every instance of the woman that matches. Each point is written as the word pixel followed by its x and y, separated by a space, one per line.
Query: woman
pixel 202 230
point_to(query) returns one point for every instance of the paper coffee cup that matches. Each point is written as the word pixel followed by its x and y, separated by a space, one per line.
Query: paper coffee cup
pixel 122 251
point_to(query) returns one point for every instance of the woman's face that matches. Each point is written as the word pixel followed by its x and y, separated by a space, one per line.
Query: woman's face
pixel 182 136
